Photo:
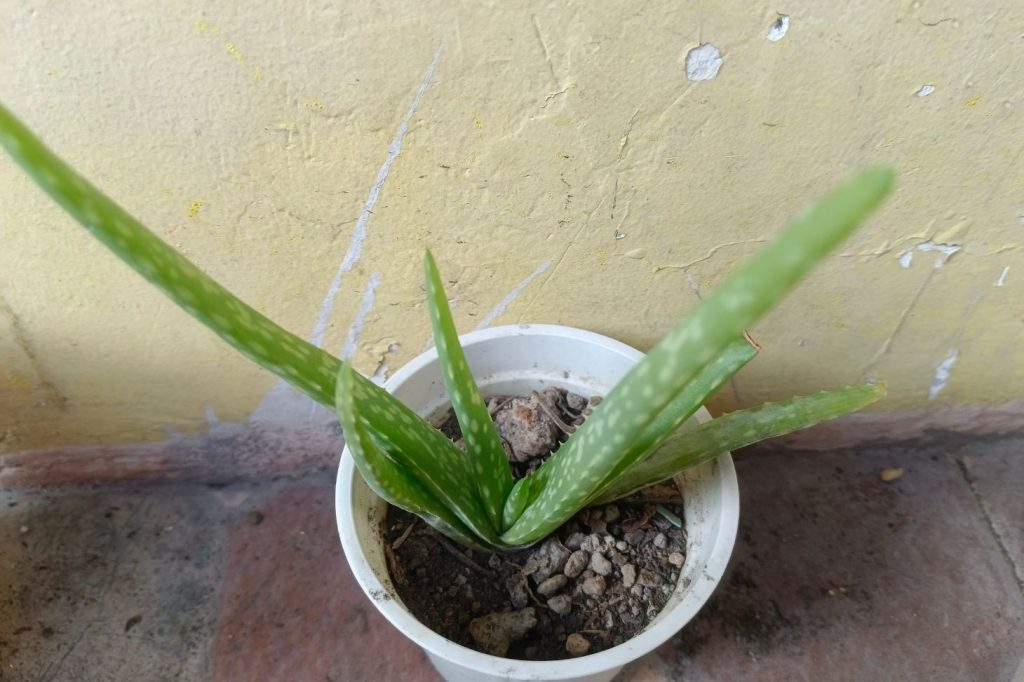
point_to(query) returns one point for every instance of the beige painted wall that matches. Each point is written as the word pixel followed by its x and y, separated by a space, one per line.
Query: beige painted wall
pixel 250 137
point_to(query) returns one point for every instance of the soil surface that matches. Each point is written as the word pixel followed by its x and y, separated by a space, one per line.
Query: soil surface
pixel 596 582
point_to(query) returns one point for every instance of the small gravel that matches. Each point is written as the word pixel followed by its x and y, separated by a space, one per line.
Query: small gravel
pixel 628 575
pixel 594 586
pixel 577 562
pixel 599 564
pixel 552 585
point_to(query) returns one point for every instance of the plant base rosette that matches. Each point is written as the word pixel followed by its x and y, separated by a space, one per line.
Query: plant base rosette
pixel 521 359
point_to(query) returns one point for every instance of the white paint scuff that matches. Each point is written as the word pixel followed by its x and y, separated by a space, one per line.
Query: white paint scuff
pixel 504 303
pixel 1002 276
pixel 777 31
pixel 355 248
pixel 925 90
pixel 942 375
pixel 365 306
pixel 703 62
pixel 946 252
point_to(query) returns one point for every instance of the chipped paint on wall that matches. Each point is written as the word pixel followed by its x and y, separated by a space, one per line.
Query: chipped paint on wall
pixel 777 31
pixel 945 252
pixel 703 62
pixel 942 373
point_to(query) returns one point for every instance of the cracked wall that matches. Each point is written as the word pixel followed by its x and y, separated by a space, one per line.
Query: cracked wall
pixel 561 162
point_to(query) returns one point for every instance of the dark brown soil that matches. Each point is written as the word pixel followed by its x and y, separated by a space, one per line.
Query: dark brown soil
pixel 599 580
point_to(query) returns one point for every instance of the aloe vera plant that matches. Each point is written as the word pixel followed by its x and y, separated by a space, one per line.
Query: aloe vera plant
pixel 631 440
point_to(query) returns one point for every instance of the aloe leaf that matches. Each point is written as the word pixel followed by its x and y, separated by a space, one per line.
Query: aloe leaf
pixel 517 500
pixel 421 450
pixel 683 405
pixel 387 479
pixel 485 453
pixel 679 409
pixel 737 429
pixel 734 306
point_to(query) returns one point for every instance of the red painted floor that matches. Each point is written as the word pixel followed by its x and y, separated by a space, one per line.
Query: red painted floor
pixel 837 575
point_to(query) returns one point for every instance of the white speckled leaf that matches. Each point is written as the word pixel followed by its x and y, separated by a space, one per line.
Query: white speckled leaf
pixel 737 429
pixel 424 452
pixel 599 445
pixel 386 478
pixel 682 406
pixel 487 458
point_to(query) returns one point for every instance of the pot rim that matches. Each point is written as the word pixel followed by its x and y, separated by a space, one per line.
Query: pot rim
pixel 647 640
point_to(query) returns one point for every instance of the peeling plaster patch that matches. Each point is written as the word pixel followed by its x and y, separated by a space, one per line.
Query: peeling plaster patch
pixel 619 235
pixel 942 375
pixel 703 62
pixel 777 31
pixel 365 306
pixel 925 90
pixel 1002 276
pixel 380 375
pixel 504 303
pixel 946 251
pixel 355 248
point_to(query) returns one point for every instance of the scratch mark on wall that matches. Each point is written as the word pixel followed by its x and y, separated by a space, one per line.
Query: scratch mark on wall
pixel 355 248
pixel 504 303
pixel 1002 276
pixel 624 140
pixel 365 306
pixel 887 344
pixel 711 252
pixel 54 396
pixel 547 53
pixel 584 224
pixel 942 375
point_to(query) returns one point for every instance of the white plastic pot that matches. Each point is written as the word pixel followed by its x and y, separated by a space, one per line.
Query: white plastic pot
pixel 517 360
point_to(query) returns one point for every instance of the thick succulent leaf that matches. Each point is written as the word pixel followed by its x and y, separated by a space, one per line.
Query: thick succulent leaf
pixel 483 446
pixel 679 409
pixel 386 478
pixel 639 398
pixel 517 500
pixel 682 407
pixel 413 444
pixel 737 429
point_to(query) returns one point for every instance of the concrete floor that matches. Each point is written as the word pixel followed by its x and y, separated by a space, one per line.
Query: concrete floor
pixel 837 575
